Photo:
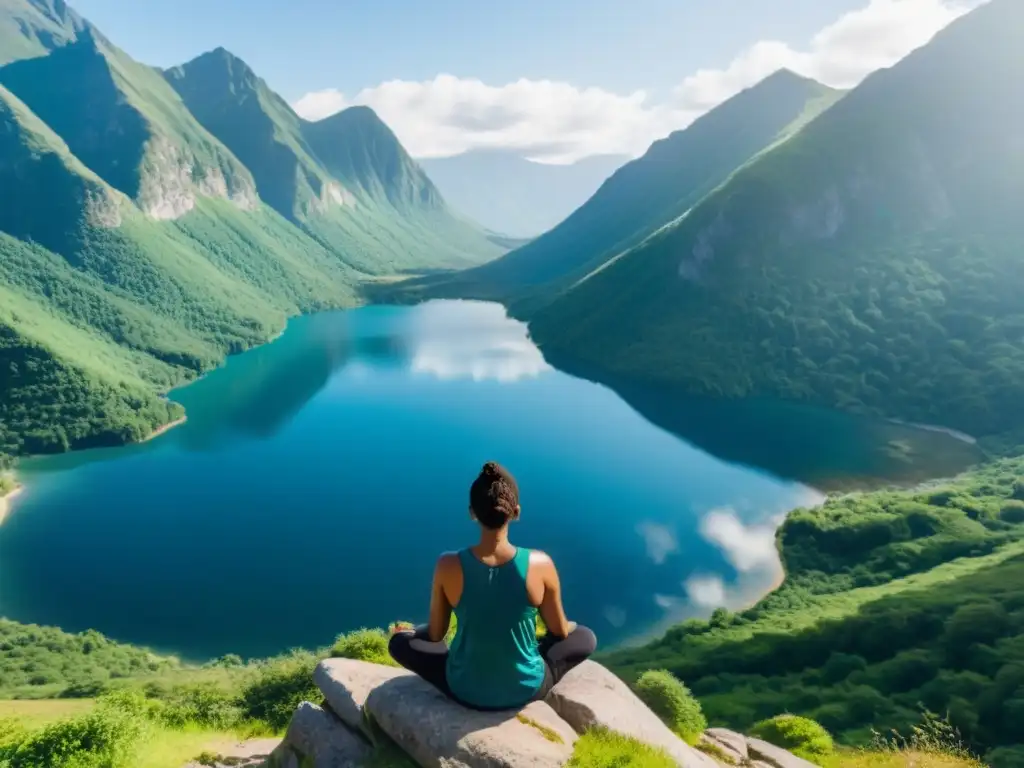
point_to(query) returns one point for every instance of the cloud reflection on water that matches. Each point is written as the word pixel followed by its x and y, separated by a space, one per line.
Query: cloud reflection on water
pixel 477 341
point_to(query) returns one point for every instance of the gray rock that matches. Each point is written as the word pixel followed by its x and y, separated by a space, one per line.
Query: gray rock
pixel 776 756
pixel 438 733
pixel 591 696
pixel 346 684
pixel 282 757
pixel 318 735
pixel 733 743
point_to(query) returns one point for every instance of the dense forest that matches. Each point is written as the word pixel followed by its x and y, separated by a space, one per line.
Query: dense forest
pixel 895 602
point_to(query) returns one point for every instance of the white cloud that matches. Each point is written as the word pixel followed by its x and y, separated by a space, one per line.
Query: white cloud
pixel 659 540
pixel 551 120
pixel 560 122
pixel 706 591
pixel 747 547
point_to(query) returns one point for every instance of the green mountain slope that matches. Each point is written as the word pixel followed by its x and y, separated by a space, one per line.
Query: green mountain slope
pixel 123 121
pixel 872 262
pixel 30 28
pixel 104 307
pixel 345 180
pixel 674 174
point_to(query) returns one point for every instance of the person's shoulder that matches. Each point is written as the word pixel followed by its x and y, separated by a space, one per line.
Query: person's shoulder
pixel 538 557
pixel 448 561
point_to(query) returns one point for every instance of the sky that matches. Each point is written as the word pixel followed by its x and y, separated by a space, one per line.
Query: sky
pixel 553 80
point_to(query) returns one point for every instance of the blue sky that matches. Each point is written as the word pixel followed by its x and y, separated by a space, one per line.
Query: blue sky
pixel 305 45
pixel 558 79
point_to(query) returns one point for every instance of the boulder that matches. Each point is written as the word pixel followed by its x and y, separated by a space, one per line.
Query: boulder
pixel 438 733
pixel 317 735
pixel 346 684
pixel 732 743
pixel 776 756
pixel 592 696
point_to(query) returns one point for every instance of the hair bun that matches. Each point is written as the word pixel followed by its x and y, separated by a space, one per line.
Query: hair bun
pixel 490 470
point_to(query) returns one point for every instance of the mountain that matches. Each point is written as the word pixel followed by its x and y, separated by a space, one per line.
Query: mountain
pixel 345 180
pixel 135 249
pixel 871 262
pixel 122 120
pixel 647 193
pixel 102 306
pixel 508 193
pixel 30 28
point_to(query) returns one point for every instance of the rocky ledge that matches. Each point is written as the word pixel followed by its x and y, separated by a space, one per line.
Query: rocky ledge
pixel 366 705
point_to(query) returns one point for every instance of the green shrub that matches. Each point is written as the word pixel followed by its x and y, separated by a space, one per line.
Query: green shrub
pixel 672 701
pixel 203 704
pixel 278 687
pixel 800 735
pixel 364 645
pixel 107 737
pixel 599 748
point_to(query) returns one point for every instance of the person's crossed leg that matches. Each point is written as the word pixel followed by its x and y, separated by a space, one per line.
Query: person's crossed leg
pixel 414 651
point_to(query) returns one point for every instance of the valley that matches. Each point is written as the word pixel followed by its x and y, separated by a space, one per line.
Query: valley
pixel 772 369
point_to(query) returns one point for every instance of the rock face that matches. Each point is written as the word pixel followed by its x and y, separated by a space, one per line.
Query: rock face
pixel 438 733
pixel 733 744
pixel 317 736
pixel 346 684
pixel 368 704
pixel 591 696
pixel 764 752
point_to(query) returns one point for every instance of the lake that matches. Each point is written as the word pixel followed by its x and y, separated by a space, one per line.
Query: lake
pixel 318 477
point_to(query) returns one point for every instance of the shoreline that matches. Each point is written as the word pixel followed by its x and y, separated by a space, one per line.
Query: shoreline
pixel 6 502
pixel 954 433
pixel 164 429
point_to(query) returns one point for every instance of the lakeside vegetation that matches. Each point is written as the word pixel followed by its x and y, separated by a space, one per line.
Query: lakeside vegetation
pixel 894 602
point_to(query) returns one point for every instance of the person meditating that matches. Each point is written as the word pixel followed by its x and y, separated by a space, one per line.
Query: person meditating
pixel 496 591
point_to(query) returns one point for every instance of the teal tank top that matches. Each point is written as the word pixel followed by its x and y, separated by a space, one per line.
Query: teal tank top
pixel 494 661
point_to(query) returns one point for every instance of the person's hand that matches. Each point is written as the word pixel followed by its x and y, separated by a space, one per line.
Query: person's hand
pixel 572 627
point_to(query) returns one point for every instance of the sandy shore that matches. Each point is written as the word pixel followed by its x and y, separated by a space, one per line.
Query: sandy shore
pixel 777 582
pixel 5 502
pixel 165 429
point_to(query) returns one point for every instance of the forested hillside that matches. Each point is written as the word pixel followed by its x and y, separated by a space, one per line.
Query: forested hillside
pixel 872 262
pixel 136 249
pixel 894 602
pixel 643 195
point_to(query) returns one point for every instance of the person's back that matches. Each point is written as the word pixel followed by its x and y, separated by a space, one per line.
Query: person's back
pixel 495 621
pixel 496 591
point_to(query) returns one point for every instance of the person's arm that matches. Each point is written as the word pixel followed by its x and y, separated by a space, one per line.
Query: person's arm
pixel 440 607
pixel 551 609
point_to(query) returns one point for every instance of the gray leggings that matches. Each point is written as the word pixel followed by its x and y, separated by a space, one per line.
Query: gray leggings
pixel 429 660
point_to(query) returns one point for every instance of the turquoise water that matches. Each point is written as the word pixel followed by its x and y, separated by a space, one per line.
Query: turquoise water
pixel 318 477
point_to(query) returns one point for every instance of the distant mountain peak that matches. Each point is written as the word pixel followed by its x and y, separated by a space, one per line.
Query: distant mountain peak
pixel 32 28
pixel 361 150
pixel 218 67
